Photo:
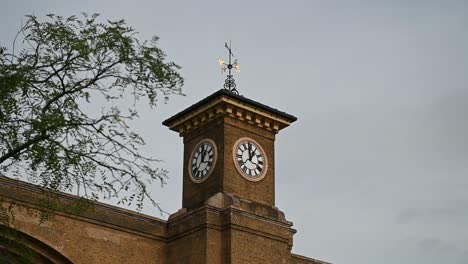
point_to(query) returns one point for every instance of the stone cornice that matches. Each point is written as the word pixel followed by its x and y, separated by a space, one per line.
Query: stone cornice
pixel 226 104
pixel 184 223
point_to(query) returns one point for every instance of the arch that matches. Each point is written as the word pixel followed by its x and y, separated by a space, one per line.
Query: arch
pixel 17 247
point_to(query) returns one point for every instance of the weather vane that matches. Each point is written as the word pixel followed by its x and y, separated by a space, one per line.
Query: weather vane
pixel 229 83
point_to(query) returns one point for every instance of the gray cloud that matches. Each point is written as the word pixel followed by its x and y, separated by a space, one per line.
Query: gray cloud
pixel 437 247
pixel 455 212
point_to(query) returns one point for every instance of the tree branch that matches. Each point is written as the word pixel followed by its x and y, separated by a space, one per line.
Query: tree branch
pixel 23 146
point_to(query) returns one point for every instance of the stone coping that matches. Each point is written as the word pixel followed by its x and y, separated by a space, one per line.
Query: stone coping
pixel 99 213
pixel 307 260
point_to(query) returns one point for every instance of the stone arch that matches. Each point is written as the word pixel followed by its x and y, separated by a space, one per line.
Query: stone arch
pixel 17 247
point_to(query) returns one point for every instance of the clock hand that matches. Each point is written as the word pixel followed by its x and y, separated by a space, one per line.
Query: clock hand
pixel 203 156
pixel 251 154
pixel 249 148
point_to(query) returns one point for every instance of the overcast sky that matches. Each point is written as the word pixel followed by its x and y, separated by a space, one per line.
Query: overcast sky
pixel 375 170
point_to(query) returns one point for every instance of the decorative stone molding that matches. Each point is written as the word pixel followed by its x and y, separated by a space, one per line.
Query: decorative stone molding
pixel 229 105
pixel 223 200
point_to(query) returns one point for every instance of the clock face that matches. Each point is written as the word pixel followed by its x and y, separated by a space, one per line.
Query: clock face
pixel 202 160
pixel 250 159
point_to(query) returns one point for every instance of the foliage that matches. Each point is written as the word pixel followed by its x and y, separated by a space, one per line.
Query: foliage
pixel 48 128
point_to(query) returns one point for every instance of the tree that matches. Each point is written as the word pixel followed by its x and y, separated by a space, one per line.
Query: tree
pixel 47 131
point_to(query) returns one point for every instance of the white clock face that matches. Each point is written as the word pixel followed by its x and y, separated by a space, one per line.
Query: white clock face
pixel 250 159
pixel 202 160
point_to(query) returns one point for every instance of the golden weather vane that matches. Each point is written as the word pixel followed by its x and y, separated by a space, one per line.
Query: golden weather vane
pixel 229 83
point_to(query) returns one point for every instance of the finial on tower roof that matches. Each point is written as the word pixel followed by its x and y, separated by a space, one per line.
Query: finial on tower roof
pixel 229 83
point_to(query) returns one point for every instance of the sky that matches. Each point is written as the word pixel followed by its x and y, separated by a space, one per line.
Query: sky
pixel 375 170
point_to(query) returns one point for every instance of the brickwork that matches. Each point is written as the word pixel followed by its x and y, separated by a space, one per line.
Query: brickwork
pixel 262 191
pixel 104 234
pixel 230 232
pixel 194 194
pixel 224 131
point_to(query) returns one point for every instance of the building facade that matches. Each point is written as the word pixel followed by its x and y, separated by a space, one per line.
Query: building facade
pixel 228 210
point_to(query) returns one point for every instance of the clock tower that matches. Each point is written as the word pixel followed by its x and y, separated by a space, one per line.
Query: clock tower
pixel 228 210
pixel 228 148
